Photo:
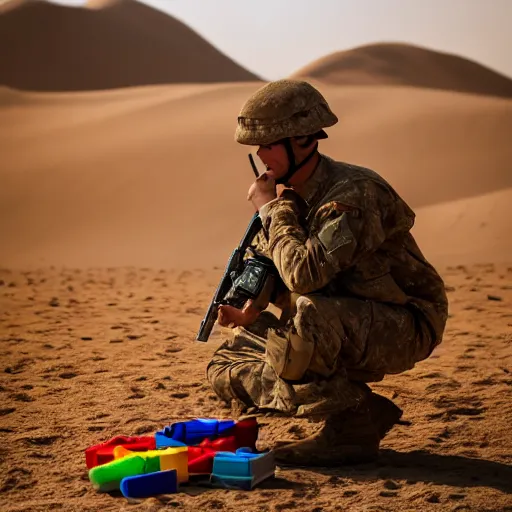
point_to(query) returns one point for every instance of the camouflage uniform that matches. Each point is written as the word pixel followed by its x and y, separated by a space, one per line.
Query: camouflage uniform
pixel 364 296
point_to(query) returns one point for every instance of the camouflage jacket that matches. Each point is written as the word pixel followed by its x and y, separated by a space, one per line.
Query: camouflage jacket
pixel 348 233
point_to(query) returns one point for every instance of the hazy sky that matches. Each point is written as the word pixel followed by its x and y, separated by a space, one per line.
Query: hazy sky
pixel 273 38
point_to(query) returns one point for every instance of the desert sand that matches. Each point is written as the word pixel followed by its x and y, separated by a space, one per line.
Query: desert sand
pixel 119 208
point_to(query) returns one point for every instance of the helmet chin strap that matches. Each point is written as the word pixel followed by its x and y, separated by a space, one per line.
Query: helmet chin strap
pixel 293 167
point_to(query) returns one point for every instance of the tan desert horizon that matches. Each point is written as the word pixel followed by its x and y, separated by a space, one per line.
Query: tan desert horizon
pixel 123 194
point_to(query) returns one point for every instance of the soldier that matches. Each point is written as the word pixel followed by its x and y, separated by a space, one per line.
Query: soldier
pixel 359 299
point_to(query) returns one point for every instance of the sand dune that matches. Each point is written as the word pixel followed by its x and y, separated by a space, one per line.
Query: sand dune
pixel 125 43
pixel 152 176
pixel 470 229
pixel 404 64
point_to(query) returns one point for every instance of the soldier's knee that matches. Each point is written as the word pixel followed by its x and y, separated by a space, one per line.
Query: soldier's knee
pixel 289 354
pixel 309 322
pixel 218 376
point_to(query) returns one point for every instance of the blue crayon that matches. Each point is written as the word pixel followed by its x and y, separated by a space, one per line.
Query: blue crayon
pixel 150 484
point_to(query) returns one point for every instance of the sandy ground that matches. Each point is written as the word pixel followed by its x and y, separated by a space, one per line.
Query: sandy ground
pixel 92 353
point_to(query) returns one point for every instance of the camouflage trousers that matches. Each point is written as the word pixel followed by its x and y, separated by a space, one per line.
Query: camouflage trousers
pixel 355 341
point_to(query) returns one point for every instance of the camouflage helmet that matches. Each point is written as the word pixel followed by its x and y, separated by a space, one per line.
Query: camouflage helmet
pixel 283 109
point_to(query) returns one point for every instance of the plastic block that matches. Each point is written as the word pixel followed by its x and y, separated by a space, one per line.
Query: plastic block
pixel 201 465
pixel 103 452
pixel 151 484
pixel 243 469
pixel 194 431
pixel 246 433
pixel 169 458
pixel 162 441
pixel 107 477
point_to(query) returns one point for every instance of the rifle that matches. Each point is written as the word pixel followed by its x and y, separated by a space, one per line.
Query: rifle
pixel 233 269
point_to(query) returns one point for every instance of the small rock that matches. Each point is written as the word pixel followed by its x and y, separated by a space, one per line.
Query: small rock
pixel 389 484
pixel 456 496
pixel 388 494
pixel 494 297
pixel 433 498
pixel 54 303
pixel 86 338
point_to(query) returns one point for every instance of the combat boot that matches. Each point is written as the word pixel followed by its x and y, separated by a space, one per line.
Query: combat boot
pixel 349 437
pixel 384 413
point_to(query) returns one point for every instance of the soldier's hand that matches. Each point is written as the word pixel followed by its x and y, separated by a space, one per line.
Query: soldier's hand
pixel 262 191
pixel 229 316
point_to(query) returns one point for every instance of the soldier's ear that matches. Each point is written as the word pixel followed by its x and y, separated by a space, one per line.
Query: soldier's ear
pixel 305 142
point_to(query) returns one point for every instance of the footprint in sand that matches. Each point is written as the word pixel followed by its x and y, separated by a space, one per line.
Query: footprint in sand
pixel 98 416
pixel 41 440
pixel 19 367
pixel 68 375
pixel 173 350
pixel 95 428
pixel 179 395
pixel 137 393
pixel 22 397
pixel 454 407
pixel 144 429
pixel 436 386
pixel 17 479
pixel 39 455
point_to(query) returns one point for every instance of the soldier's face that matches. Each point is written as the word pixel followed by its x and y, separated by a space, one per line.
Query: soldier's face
pixel 275 158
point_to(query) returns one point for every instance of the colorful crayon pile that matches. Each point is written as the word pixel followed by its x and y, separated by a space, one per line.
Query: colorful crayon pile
pixel 220 452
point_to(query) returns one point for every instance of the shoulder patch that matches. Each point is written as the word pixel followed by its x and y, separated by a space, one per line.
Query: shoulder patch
pixel 336 233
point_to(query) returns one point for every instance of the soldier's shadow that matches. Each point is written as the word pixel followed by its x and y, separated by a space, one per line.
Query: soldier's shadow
pixel 422 466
